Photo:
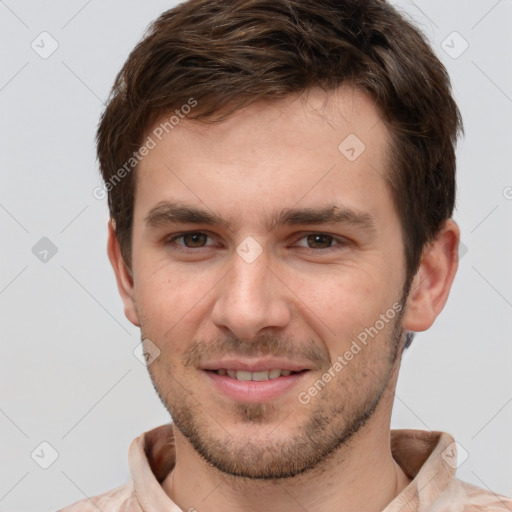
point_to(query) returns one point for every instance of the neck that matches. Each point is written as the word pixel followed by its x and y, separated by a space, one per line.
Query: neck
pixel 360 475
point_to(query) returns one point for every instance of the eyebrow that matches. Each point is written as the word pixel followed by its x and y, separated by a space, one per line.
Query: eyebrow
pixel 167 212
pixel 331 214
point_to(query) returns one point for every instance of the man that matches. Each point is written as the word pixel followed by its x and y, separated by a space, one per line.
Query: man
pixel 281 180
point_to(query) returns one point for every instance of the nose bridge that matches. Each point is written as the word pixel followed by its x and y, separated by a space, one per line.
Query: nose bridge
pixel 247 287
pixel 249 279
pixel 250 298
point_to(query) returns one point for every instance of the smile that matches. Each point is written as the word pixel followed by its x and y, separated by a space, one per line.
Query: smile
pixel 259 386
pixel 255 376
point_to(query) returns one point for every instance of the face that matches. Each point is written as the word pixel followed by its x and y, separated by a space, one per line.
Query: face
pixel 270 242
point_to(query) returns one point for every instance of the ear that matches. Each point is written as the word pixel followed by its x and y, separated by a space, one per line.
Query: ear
pixel 123 275
pixel 433 280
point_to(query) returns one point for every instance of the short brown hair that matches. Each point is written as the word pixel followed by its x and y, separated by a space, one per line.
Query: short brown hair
pixel 227 54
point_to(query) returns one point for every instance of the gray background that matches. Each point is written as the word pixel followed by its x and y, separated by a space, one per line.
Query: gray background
pixel 68 375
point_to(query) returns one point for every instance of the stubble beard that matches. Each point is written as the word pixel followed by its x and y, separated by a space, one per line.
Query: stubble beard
pixel 331 423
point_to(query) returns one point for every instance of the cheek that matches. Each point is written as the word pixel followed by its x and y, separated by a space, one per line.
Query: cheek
pixel 165 300
pixel 341 307
pixel 175 304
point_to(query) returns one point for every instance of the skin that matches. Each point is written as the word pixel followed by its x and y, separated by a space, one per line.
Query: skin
pixel 304 298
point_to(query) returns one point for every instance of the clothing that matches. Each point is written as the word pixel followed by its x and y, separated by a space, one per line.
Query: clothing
pixel 429 458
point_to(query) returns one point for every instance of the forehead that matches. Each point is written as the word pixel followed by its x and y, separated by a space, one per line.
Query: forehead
pixel 310 149
pixel 295 117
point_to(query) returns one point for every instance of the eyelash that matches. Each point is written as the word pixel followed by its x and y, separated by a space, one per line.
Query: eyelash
pixel 340 241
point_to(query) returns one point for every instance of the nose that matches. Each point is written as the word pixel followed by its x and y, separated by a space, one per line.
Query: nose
pixel 251 298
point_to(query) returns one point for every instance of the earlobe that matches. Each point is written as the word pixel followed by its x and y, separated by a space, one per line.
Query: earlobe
pixel 123 275
pixel 431 284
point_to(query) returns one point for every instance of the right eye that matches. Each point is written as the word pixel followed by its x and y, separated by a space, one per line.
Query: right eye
pixel 190 240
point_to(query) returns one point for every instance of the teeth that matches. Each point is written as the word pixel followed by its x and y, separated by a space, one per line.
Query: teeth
pixel 242 375
pixel 259 375
pixel 255 376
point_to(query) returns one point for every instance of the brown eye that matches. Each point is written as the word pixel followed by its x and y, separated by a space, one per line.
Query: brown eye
pixel 194 239
pixel 319 241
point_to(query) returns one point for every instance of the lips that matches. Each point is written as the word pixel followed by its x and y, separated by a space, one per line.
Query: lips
pixel 253 390
pixel 258 376
pixel 254 380
pixel 255 366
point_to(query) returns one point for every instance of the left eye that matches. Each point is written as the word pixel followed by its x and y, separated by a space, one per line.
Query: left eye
pixel 192 240
pixel 319 241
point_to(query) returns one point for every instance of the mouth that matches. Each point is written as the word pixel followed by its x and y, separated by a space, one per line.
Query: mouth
pixel 256 386
pixel 259 376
